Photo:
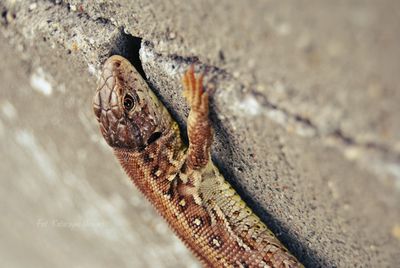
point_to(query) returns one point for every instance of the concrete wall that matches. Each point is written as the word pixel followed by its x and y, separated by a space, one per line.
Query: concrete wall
pixel 305 107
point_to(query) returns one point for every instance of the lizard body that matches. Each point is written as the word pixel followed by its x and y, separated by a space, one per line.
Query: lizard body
pixel 181 181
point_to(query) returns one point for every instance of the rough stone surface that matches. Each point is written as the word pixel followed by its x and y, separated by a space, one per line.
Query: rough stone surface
pixel 305 105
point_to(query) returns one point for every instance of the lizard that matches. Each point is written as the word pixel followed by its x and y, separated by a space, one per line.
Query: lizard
pixel 180 180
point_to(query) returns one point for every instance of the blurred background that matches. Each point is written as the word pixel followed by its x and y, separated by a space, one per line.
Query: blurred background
pixel 306 112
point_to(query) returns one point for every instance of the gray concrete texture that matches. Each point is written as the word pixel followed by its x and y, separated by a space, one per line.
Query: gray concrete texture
pixel 305 105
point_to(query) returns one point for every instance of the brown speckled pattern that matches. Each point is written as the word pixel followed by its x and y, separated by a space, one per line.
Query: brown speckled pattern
pixel 181 181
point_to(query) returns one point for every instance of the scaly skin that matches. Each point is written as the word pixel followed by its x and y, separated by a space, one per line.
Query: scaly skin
pixel 179 180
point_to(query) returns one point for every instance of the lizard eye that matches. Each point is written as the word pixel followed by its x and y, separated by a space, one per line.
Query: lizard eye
pixel 128 102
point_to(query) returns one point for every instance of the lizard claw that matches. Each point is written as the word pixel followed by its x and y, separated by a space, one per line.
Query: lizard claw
pixel 194 92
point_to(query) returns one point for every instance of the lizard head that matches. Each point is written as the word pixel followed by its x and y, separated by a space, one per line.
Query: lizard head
pixel 129 114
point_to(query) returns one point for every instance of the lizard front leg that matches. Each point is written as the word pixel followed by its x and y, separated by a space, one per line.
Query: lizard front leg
pixel 200 132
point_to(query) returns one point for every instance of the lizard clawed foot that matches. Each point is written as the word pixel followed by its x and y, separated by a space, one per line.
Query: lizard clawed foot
pixel 199 127
pixel 194 92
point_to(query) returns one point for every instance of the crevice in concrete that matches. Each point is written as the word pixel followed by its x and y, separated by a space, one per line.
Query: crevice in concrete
pixel 128 46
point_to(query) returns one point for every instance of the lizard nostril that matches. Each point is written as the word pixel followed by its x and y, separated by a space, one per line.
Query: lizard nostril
pixel 117 63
